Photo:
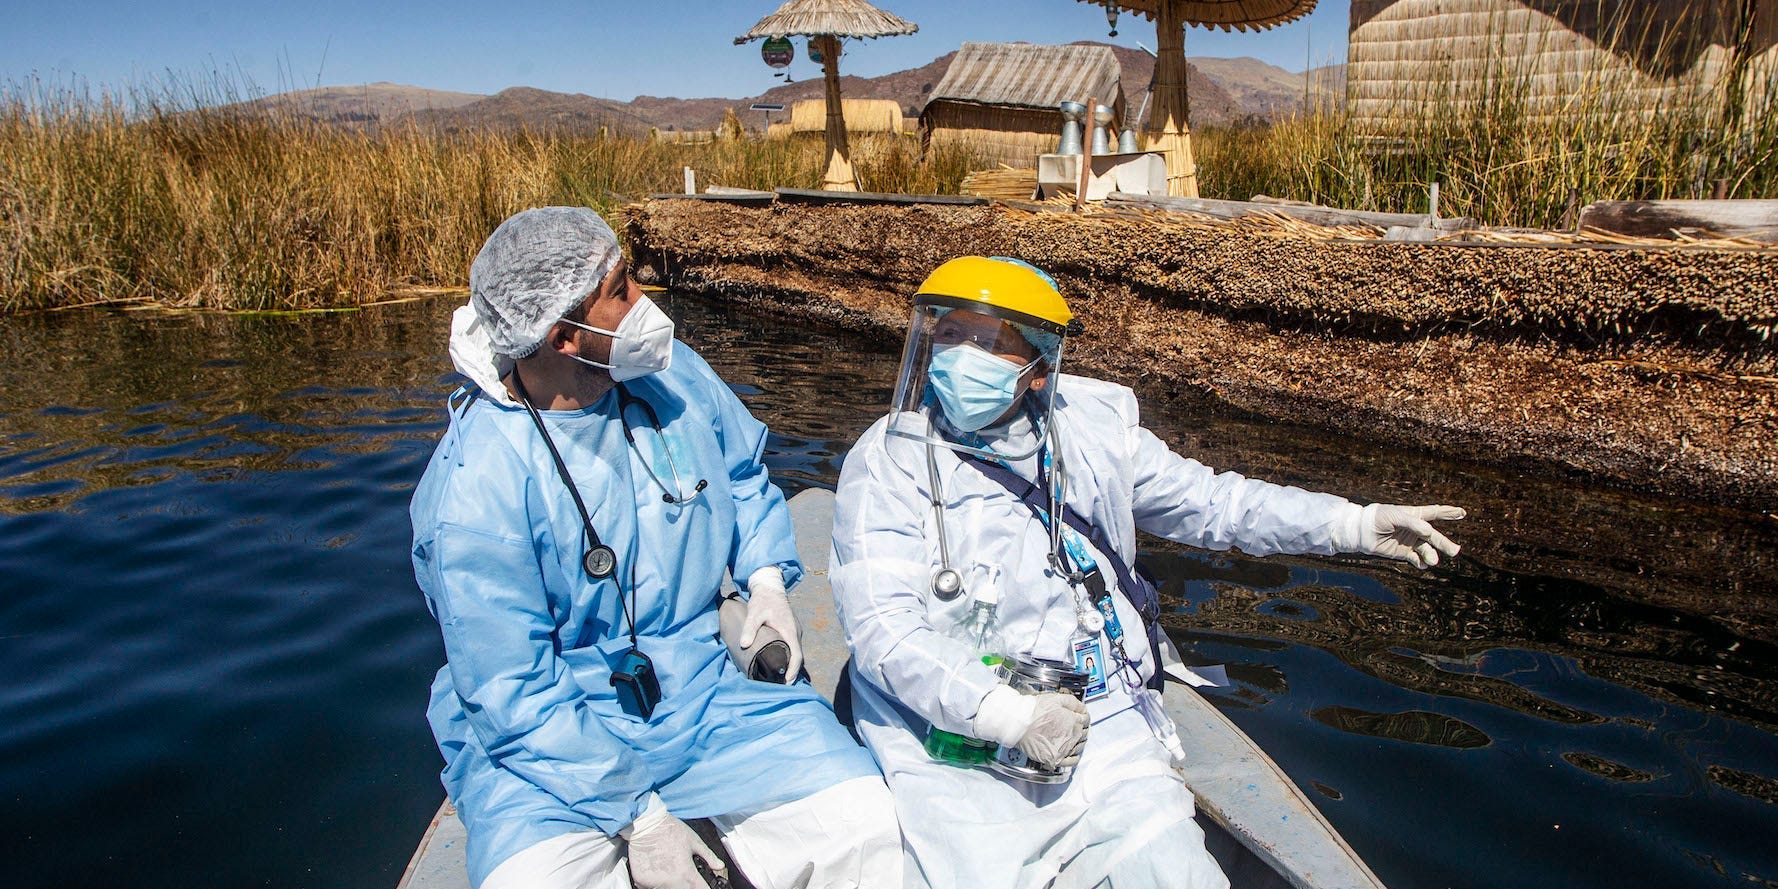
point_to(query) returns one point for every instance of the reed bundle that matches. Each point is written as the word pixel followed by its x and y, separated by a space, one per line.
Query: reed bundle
pixel 1005 182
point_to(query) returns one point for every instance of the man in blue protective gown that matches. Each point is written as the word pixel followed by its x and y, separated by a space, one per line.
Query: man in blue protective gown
pixel 570 534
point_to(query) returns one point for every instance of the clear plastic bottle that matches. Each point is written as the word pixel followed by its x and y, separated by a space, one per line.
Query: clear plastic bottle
pixel 980 630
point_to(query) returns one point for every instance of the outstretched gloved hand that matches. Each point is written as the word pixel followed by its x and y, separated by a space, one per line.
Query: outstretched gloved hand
pixel 661 849
pixel 769 606
pixel 1405 533
pixel 1058 730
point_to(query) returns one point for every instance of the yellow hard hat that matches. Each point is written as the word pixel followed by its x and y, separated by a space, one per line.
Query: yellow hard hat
pixel 1005 288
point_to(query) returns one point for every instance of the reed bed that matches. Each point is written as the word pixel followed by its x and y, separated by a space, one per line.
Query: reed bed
pixel 117 201
pixel 177 199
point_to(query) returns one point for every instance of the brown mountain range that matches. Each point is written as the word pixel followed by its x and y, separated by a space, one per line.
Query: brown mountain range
pixel 1222 91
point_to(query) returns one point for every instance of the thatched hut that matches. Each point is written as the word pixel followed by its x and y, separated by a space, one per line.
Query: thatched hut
pixel 1559 57
pixel 1003 97
pixel 809 117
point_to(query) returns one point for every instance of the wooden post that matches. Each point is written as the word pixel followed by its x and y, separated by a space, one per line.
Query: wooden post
pixel 1570 212
pixel 839 176
pixel 1169 109
pixel 1086 158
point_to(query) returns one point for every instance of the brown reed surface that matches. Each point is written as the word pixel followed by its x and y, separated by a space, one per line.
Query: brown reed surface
pixel 1650 368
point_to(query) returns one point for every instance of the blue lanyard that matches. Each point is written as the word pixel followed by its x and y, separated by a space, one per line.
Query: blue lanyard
pixel 1072 543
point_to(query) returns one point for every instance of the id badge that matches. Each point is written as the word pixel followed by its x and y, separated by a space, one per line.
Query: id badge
pixel 638 689
pixel 1089 658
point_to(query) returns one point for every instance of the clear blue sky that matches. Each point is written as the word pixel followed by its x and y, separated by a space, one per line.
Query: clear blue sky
pixel 612 49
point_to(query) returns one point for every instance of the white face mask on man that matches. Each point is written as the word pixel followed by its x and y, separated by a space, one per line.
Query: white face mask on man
pixel 642 343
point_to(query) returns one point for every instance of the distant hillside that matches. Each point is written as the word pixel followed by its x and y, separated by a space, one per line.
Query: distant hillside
pixel 1222 91
pixel 906 88
pixel 1331 79
pixel 1255 85
pixel 523 107
pixel 367 103
pixel 1210 102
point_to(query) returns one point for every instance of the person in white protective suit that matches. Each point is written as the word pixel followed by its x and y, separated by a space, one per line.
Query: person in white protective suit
pixel 571 533
pixel 1000 488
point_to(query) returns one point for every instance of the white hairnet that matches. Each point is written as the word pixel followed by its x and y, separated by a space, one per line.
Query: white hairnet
pixel 535 268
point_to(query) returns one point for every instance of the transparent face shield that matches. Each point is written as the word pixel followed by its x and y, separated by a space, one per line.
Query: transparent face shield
pixel 968 371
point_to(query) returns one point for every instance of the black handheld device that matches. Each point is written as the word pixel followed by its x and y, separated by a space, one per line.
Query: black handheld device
pixel 638 689
pixel 772 663
pixel 711 878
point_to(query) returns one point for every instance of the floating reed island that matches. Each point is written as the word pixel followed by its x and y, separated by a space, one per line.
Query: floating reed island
pixel 1649 367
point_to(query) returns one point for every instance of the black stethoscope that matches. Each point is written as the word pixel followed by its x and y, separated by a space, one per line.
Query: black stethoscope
pixel 600 561
pixel 668 495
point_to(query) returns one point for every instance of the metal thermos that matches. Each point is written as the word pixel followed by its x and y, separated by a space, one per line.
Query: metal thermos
pixel 1101 131
pixel 1073 115
pixel 1034 676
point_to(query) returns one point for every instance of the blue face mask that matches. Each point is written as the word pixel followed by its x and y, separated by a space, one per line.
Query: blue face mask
pixel 973 386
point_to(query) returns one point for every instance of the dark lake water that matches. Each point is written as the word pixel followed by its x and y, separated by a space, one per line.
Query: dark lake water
pixel 214 659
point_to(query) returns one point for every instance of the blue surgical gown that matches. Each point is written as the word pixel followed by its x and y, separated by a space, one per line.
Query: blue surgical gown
pixel 534 741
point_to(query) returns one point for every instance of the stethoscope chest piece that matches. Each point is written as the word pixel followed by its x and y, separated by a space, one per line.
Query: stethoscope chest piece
pixel 599 562
pixel 947 584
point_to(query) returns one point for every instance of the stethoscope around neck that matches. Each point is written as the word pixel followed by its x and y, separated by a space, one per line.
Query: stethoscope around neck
pixel 671 495
pixel 600 561
pixel 947 584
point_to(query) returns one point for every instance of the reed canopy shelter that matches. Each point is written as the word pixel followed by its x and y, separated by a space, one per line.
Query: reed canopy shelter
pixel 1169 107
pixel 825 23
pixel 1558 58
pixel 808 118
pixel 1004 98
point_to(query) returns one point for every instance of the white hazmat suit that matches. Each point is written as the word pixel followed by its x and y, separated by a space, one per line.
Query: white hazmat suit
pixel 1125 817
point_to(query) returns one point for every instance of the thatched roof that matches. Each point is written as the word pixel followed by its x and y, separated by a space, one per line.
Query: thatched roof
pixel 1558 58
pixel 1028 75
pixel 1662 38
pixel 842 18
pixel 1238 15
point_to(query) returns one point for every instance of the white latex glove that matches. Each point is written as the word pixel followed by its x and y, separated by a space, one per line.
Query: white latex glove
pixel 1404 532
pixel 661 848
pixel 1050 727
pixel 1058 731
pixel 769 606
